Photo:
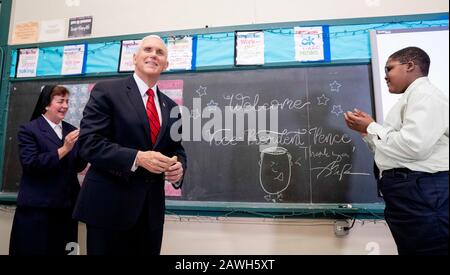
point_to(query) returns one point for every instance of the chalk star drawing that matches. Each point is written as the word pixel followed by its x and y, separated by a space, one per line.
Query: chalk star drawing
pixel 373 3
pixel 334 87
pixel 212 105
pixel 322 100
pixel 201 91
pixel 337 110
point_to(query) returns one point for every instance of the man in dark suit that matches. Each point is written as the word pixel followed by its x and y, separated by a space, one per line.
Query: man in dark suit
pixel 126 136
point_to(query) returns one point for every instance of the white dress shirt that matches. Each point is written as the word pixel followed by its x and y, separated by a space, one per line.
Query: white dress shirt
pixel 415 132
pixel 56 127
pixel 142 86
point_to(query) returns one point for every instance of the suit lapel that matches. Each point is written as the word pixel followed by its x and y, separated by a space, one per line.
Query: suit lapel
pixel 65 130
pixel 47 131
pixel 136 100
pixel 164 114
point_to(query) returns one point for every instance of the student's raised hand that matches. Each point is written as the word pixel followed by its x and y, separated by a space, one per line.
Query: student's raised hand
pixel 361 113
pixel 154 162
pixel 358 120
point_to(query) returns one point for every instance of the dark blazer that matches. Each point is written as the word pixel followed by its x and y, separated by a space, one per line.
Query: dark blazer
pixel 114 127
pixel 46 180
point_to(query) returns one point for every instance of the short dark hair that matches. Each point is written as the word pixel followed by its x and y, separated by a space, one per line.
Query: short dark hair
pixel 58 90
pixel 414 54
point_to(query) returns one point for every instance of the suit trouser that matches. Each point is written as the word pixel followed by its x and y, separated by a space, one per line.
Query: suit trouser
pixel 417 210
pixel 42 231
pixel 141 239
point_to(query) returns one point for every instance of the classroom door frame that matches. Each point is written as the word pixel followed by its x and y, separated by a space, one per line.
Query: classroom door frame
pixel 1 42
pixel 5 15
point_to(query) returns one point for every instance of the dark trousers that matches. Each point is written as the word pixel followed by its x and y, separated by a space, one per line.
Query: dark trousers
pixel 42 231
pixel 417 210
pixel 141 239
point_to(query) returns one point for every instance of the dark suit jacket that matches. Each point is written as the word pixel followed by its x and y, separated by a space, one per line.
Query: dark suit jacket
pixel 47 181
pixel 114 127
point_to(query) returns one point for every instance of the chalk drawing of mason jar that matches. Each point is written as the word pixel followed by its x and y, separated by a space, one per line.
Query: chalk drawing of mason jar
pixel 275 172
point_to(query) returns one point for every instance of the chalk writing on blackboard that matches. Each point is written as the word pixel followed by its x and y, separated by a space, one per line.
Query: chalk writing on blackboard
pixel 275 172
pixel 307 156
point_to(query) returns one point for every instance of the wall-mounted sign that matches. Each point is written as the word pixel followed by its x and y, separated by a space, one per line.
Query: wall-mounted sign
pixel 128 48
pixel 74 58
pixel 27 64
pixel 25 33
pixel 80 26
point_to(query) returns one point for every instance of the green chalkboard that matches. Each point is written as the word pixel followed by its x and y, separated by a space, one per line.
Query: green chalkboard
pixel 310 157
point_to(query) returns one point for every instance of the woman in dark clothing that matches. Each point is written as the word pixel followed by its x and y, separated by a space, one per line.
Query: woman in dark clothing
pixel 48 152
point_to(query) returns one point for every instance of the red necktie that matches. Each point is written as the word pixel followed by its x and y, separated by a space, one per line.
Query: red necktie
pixel 152 114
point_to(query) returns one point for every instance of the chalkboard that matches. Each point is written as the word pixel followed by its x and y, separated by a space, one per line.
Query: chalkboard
pixel 309 157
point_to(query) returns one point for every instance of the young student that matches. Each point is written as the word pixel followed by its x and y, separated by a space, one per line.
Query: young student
pixel 411 150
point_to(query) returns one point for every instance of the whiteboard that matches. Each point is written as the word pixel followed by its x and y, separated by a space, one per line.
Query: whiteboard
pixel 383 43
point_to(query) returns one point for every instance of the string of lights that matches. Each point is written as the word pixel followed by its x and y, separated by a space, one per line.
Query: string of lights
pixel 333 34
pixel 60 50
pixel 364 29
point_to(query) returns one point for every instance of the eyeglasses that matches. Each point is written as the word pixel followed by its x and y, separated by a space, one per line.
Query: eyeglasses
pixel 389 68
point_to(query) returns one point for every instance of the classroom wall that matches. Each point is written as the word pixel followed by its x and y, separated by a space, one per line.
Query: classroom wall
pixel 112 18
pixel 206 235
pixel 187 235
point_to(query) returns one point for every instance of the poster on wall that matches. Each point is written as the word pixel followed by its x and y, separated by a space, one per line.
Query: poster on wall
pixel 309 43
pixel 79 96
pixel 52 30
pixel 174 90
pixel 180 53
pixel 25 33
pixel 127 49
pixel 249 48
pixel 80 26
pixel 74 59
pixel 27 63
